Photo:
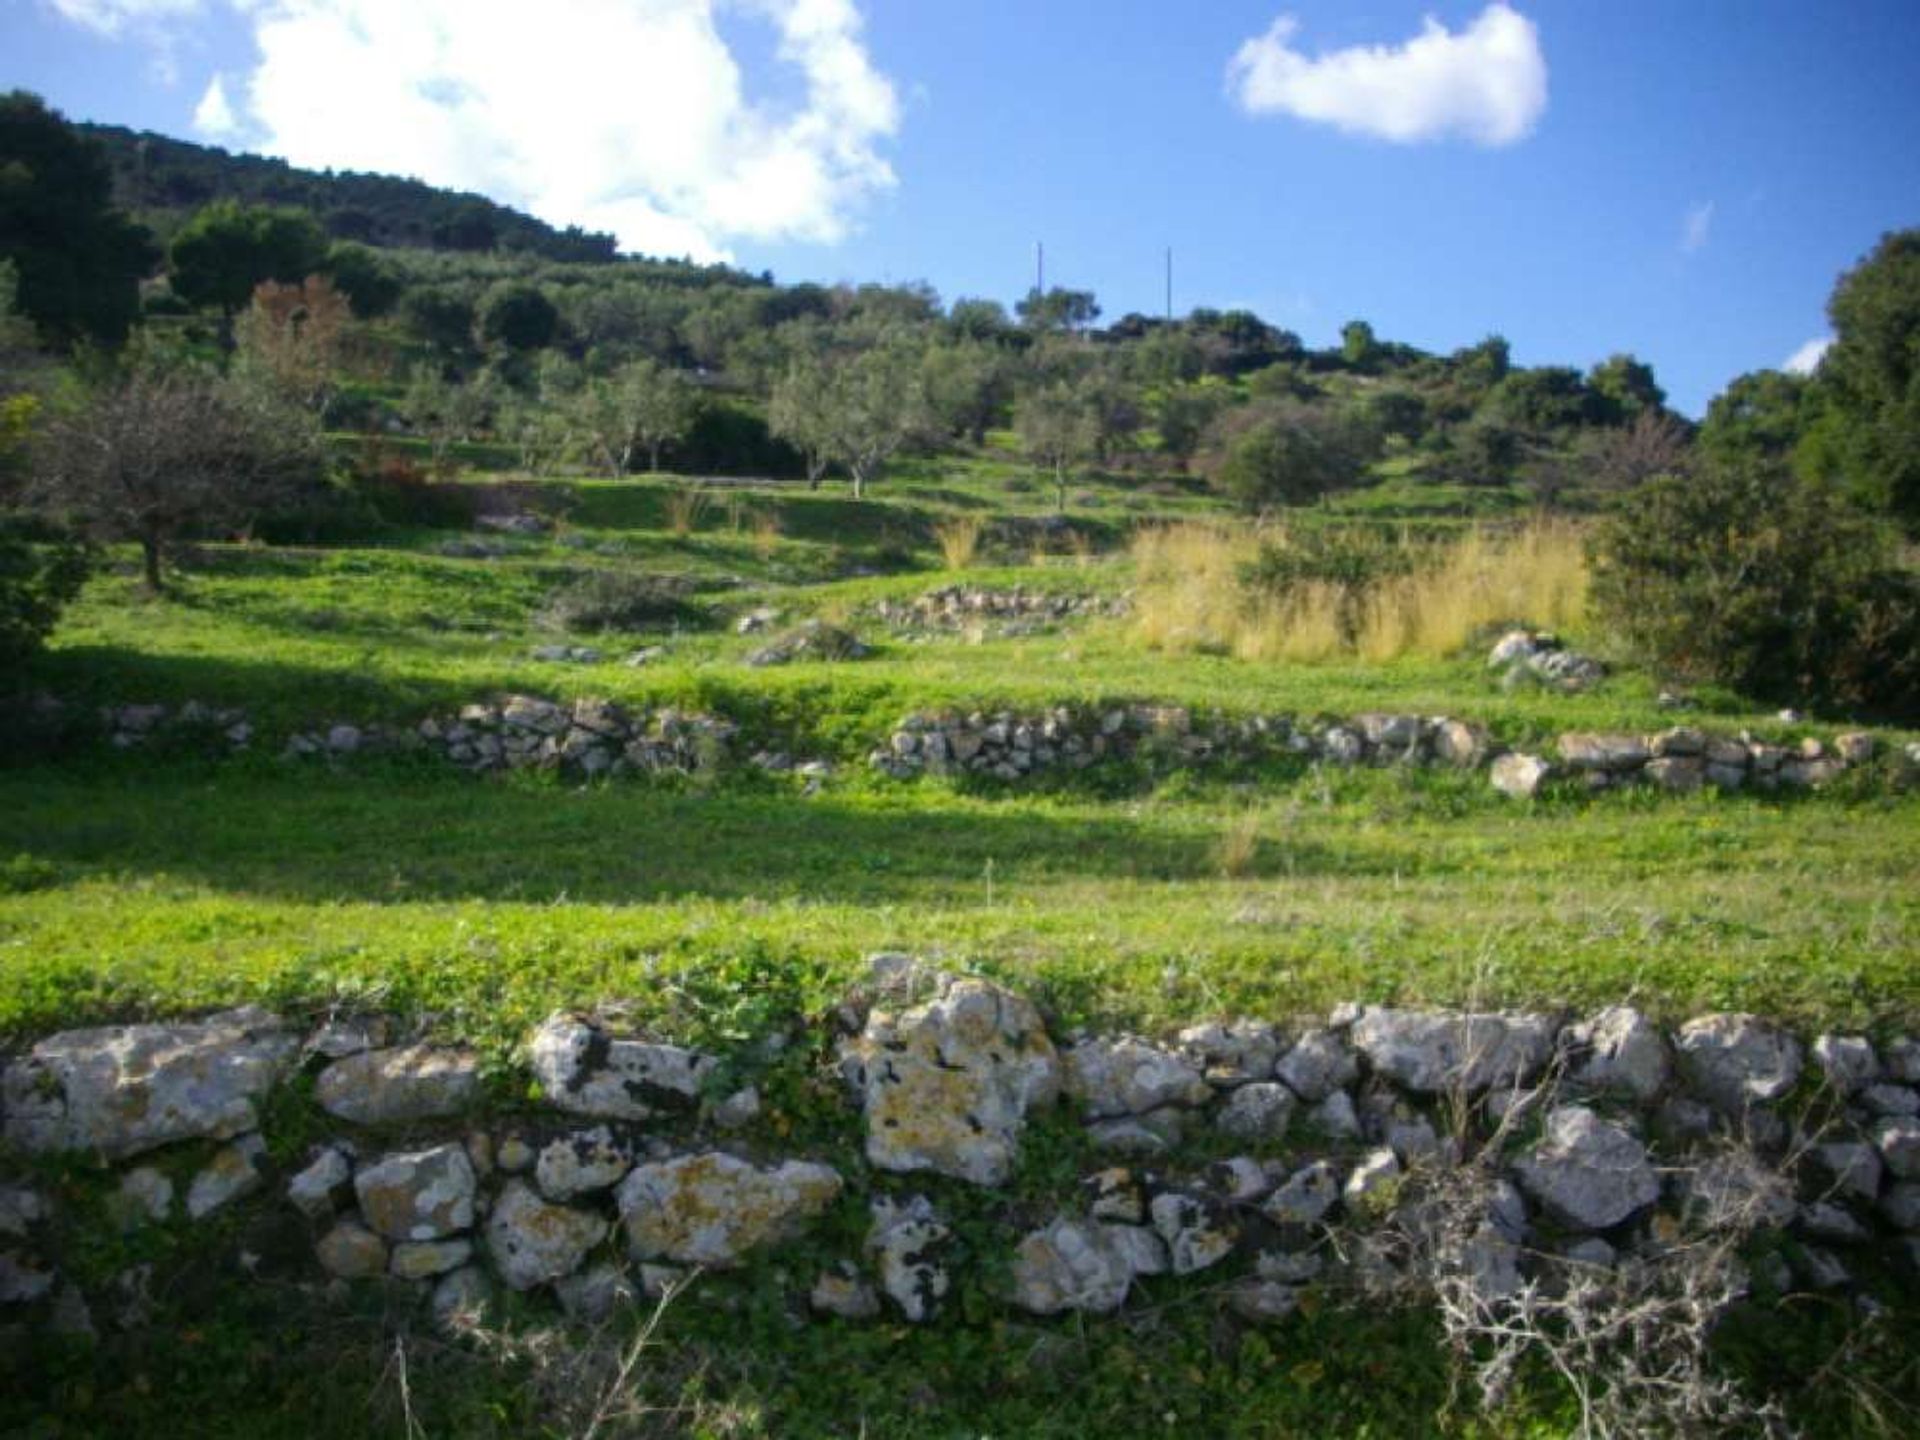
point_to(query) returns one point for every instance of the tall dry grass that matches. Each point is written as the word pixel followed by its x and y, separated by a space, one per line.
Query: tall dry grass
pixel 1194 594
pixel 686 506
pixel 959 539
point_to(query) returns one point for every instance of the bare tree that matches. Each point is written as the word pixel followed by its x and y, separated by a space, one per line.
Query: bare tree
pixel 161 456
pixel 294 337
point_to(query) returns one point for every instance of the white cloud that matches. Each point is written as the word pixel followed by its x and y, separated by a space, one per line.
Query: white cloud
pixel 1695 228
pixel 626 115
pixel 1806 359
pixel 213 116
pixel 1487 84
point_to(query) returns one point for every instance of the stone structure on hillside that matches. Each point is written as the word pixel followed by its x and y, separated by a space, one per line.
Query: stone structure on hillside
pixel 1270 1154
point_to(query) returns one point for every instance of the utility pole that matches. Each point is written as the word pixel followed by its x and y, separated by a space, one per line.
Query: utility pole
pixel 1039 268
pixel 1169 284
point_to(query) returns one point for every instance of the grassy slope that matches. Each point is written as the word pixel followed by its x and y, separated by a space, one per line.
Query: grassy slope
pixel 139 886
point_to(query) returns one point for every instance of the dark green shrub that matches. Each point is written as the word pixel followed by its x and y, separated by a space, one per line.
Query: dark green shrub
pixel 1351 561
pixel 39 574
pixel 1283 453
pixel 620 600
pixel 1744 576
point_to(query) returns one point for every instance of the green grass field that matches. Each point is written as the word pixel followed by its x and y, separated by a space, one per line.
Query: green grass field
pixel 166 881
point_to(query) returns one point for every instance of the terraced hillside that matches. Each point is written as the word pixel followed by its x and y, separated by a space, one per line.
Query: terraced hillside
pixel 701 750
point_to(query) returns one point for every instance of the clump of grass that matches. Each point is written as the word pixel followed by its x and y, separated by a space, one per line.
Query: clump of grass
pixel 765 529
pixel 959 540
pixel 686 506
pixel 1238 846
pixel 1296 595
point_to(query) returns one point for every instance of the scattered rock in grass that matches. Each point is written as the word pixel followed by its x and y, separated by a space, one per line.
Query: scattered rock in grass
pixel 810 640
pixel 1519 776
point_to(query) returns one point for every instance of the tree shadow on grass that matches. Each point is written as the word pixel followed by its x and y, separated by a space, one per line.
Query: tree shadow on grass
pixel 321 838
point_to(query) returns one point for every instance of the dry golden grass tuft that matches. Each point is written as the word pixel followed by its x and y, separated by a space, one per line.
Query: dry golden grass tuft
pixel 959 540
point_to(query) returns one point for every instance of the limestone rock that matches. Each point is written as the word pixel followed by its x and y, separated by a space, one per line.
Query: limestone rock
pixel 1070 1265
pixel 234 1171
pixel 1847 1062
pixel 1854 1165
pixel 905 1243
pixel 1737 1061
pixel 120 1090
pixel 145 1197
pixel 399 1086
pixel 1130 1077
pixel 1335 1117
pixel 532 1241
pixel 596 1293
pixel 1519 776
pixel 710 1209
pixel 21 1209
pixel 582 1163
pixel 314 1189
pixel 1433 1053
pixel 1898 1139
pixel 1588 1173
pixel 1115 1195
pixel 424 1259
pixel 1305 1197
pixel 846 1297
pixel 1603 752
pixel 584 1070
pixel 462 1298
pixel 1258 1112
pixel 352 1252
pixel 418 1195
pixel 1318 1064
pixel 947 1086
pixel 1620 1050
pixel 1198 1232
pixel 1734 1191
pixel 1232 1053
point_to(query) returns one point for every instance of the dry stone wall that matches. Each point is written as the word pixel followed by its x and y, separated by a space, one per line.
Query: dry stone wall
pixel 1279 1156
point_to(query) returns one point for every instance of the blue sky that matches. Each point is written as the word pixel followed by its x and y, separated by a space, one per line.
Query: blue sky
pixel 1682 180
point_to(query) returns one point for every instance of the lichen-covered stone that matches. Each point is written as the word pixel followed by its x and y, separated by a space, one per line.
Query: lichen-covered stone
pixel 1318 1064
pixel 586 1070
pixel 352 1252
pixel 1198 1232
pixel 1115 1194
pixel 947 1086
pixel 1257 1112
pixel 1517 776
pixel 314 1190
pixel 582 1163
pixel 533 1241
pixel 1234 1052
pixel 906 1242
pixel 1433 1053
pixel 1130 1077
pixel 1071 1265
pixel 1305 1196
pixel 710 1209
pixel 424 1259
pixel 1737 1061
pixel 399 1086
pixel 418 1195
pixel 1587 1172
pixel 235 1170
pixel 120 1090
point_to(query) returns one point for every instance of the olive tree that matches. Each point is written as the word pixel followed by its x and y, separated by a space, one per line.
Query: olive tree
pixel 641 406
pixel 1058 430
pixel 160 456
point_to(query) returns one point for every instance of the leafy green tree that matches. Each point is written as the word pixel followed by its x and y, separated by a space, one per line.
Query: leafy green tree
pixel 643 406
pixel 162 455
pixel 1761 416
pixel 1869 378
pixel 1182 415
pixel 447 412
pixel 370 284
pixel 518 316
pixel 1058 430
pixel 857 411
pixel 79 261
pixel 1622 389
pixel 440 318
pixel 1744 575
pixel 972 319
pixel 966 387
pixel 228 249
pixel 1546 398
pixel 1358 346
pixel 796 415
pixel 1286 453
pixel 1058 310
